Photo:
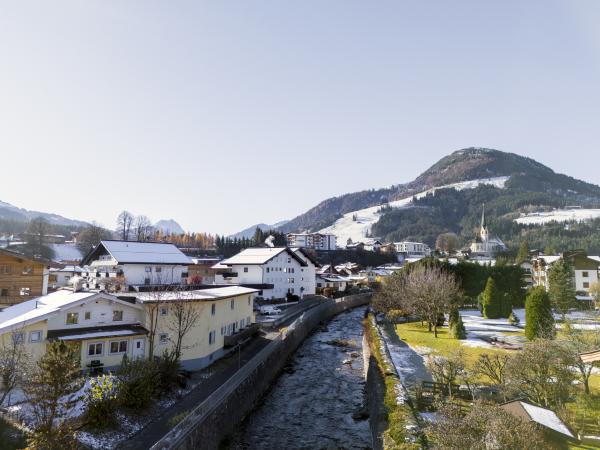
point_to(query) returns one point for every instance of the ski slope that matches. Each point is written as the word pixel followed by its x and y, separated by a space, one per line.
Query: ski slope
pixel 346 228
pixel 559 215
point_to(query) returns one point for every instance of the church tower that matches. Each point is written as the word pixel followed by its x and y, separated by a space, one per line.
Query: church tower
pixel 483 232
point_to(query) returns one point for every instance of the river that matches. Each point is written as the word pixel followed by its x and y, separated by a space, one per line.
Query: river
pixel 316 403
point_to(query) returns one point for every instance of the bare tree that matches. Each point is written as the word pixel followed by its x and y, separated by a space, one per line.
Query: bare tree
pixel 580 341
pixel 90 236
pixel 446 243
pixel 36 236
pixel 484 427
pixel 13 363
pixel 427 291
pixel 183 316
pixel 493 367
pixel 446 370
pixel 124 224
pixel 142 228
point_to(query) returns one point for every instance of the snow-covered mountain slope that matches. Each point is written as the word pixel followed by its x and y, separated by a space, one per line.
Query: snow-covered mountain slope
pixel 356 225
pixel 11 212
pixel 559 215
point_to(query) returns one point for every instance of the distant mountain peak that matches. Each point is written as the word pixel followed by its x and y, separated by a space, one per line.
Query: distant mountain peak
pixel 169 226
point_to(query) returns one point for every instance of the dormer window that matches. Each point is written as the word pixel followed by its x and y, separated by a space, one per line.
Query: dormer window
pixel 72 318
pixel 117 315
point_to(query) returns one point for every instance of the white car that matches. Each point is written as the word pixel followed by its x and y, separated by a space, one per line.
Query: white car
pixel 270 310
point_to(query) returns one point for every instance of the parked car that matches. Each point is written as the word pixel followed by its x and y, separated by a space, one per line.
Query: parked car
pixel 270 310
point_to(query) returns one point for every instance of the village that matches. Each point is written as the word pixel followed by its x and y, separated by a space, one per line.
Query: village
pixel 130 310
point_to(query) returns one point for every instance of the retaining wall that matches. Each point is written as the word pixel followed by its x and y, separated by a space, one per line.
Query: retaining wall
pixel 222 412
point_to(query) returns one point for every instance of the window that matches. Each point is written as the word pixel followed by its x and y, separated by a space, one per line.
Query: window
pixel 118 347
pixel 232 304
pixel 117 315
pixel 245 270
pixel 18 337
pixel 88 315
pixel 249 299
pixel 213 309
pixel 24 292
pixel 72 318
pixel 223 329
pixel 146 280
pixel 35 336
pixel 148 269
pixel 586 285
pixel 585 274
pixel 164 311
pixel 4 269
pixel 212 337
pixel 3 292
pixel 95 349
pixel 158 269
pixel 27 270
pixel 163 338
pixel 242 323
pixel 267 270
pixel 248 320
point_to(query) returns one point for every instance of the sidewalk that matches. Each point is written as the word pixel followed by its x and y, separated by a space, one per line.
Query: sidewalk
pixel 222 370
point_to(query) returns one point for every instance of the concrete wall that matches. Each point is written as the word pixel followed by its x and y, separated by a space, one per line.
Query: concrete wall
pixel 221 413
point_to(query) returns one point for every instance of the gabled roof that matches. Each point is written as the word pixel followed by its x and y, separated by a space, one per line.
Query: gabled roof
pixel 45 262
pixel 131 252
pixel 40 308
pixel 260 255
pixel 307 255
pixel 542 416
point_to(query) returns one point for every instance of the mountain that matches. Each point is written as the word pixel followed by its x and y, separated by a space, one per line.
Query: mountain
pixel 249 232
pixel 169 226
pixel 13 213
pixel 509 185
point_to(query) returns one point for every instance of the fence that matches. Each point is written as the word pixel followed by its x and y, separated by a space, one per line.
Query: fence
pixel 295 332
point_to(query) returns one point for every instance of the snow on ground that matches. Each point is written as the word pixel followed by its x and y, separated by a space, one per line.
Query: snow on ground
pixel 480 330
pixel 558 215
pixel 358 229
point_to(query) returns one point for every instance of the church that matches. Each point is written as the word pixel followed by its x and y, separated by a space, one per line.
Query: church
pixel 486 245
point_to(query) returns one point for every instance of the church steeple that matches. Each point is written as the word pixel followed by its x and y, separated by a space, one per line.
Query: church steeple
pixel 483 217
pixel 483 233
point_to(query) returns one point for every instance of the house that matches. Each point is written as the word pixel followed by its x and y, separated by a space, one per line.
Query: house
pixel 128 265
pixel 308 274
pixel 316 241
pixel 585 269
pixel 201 271
pixel 62 276
pixel 21 277
pixel 336 282
pixel 106 327
pixel 275 271
pixel 485 244
pixel 408 249
pixel 545 419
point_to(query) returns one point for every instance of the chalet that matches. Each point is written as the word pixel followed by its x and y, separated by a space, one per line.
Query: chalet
pixel 585 270
pixel 201 271
pixel 22 278
pixel 276 271
pixel 127 265
pixel 338 283
pixel 106 328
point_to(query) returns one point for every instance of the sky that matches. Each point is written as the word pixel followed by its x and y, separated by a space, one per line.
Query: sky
pixel 224 114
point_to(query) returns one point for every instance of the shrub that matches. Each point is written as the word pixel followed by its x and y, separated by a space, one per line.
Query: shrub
pixel 101 401
pixel 328 292
pixel 491 300
pixel 457 329
pixel 169 372
pixel 138 381
pixel 513 319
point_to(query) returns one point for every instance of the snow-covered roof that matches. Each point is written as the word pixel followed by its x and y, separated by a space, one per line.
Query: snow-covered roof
pixel 546 418
pixel 68 268
pixel 259 255
pixel 128 252
pixel 201 294
pixel 35 310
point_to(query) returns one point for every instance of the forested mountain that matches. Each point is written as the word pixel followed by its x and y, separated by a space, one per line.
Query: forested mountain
pixel 530 186
pixel 12 214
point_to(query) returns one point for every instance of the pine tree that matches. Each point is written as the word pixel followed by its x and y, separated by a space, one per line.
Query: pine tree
pixel 561 286
pixel 523 254
pixel 539 322
pixel 491 300
pixel 457 329
pixel 51 391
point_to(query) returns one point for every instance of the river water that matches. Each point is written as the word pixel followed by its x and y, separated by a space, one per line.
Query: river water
pixel 316 402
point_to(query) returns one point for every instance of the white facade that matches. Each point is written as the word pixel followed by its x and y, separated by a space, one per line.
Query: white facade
pixel 317 241
pixel 280 267
pixel 412 249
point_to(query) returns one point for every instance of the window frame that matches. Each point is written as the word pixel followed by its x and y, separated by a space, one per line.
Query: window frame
pixel 118 312
pixel 95 344
pixel 119 342
pixel 39 332
pixel 72 314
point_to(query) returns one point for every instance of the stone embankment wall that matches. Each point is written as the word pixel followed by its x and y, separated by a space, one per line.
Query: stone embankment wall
pixel 220 414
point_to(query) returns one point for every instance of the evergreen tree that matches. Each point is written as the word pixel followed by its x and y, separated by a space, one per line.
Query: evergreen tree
pixel 457 329
pixel 561 286
pixel 539 321
pixel 51 391
pixel 523 254
pixel 491 300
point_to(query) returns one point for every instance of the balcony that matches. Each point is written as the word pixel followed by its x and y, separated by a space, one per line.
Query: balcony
pixel 241 336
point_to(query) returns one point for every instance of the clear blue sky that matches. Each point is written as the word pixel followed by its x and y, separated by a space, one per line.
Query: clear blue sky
pixel 222 114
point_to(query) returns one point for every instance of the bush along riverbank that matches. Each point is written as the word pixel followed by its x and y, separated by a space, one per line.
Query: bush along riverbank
pixel 393 419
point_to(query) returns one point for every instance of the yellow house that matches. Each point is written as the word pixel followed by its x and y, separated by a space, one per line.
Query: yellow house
pixel 107 328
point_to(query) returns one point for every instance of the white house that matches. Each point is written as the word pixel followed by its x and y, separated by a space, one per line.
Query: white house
pixel 275 271
pixel 62 276
pixel 407 249
pixel 119 265
pixel 317 241
pixel 585 270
